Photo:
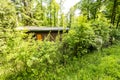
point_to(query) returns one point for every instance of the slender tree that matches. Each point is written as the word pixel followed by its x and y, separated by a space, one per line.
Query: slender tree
pixel 113 16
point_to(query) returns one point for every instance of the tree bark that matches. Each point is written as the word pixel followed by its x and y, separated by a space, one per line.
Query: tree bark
pixel 50 13
pixel 42 12
pixel 114 12
pixel 118 21
pixel 54 16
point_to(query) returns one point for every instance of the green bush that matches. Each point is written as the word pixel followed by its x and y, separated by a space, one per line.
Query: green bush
pixel 79 39
pixel 101 28
pixel 24 58
pixel 7 14
pixel 115 33
pixel 82 38
pixel 112 69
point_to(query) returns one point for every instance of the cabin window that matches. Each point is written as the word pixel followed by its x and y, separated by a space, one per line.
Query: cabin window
pixel 39 36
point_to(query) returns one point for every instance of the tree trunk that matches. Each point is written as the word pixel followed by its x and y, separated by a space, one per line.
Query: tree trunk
pixel 50 13
pixel 114 12
pixel 54 16
pixel 70 20
pixel 118 21
pixel 88 11
pixel 42 12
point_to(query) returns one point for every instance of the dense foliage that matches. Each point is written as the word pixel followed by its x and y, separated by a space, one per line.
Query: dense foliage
pixel 97 26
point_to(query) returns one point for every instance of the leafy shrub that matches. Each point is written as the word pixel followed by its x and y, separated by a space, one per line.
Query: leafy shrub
pixel 26 58
pixel 112 69
pixel 87 36
pixel 7 14
pixel 101 28
pixel 79 39
pixel 115 33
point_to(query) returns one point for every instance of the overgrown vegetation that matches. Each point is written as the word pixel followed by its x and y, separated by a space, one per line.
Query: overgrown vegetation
pixel 98 65
pixel 90 49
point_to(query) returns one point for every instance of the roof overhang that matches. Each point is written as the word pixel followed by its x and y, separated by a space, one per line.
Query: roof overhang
pixel 41 29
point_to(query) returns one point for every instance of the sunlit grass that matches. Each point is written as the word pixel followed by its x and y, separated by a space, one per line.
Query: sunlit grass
pixel 104 65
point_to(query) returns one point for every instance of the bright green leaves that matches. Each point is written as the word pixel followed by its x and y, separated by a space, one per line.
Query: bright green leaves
pixel 23 56
pixel 112 67
pixel 7 14
pixel 101 28
pixel 80 38
pixel 53 9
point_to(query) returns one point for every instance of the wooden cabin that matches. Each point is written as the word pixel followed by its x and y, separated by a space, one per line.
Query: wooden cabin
pixel 42 33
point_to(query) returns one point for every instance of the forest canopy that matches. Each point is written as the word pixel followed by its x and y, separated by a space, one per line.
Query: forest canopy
pixel 50 13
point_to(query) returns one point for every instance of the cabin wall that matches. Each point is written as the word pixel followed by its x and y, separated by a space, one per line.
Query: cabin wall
pixel 50 36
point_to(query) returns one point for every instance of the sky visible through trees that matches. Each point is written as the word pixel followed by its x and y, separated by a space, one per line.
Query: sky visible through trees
pixel 68 4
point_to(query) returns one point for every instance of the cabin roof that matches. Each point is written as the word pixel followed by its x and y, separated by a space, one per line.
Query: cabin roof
pixel 37 29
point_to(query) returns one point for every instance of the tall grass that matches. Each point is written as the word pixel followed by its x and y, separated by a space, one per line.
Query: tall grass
pixel 103 65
